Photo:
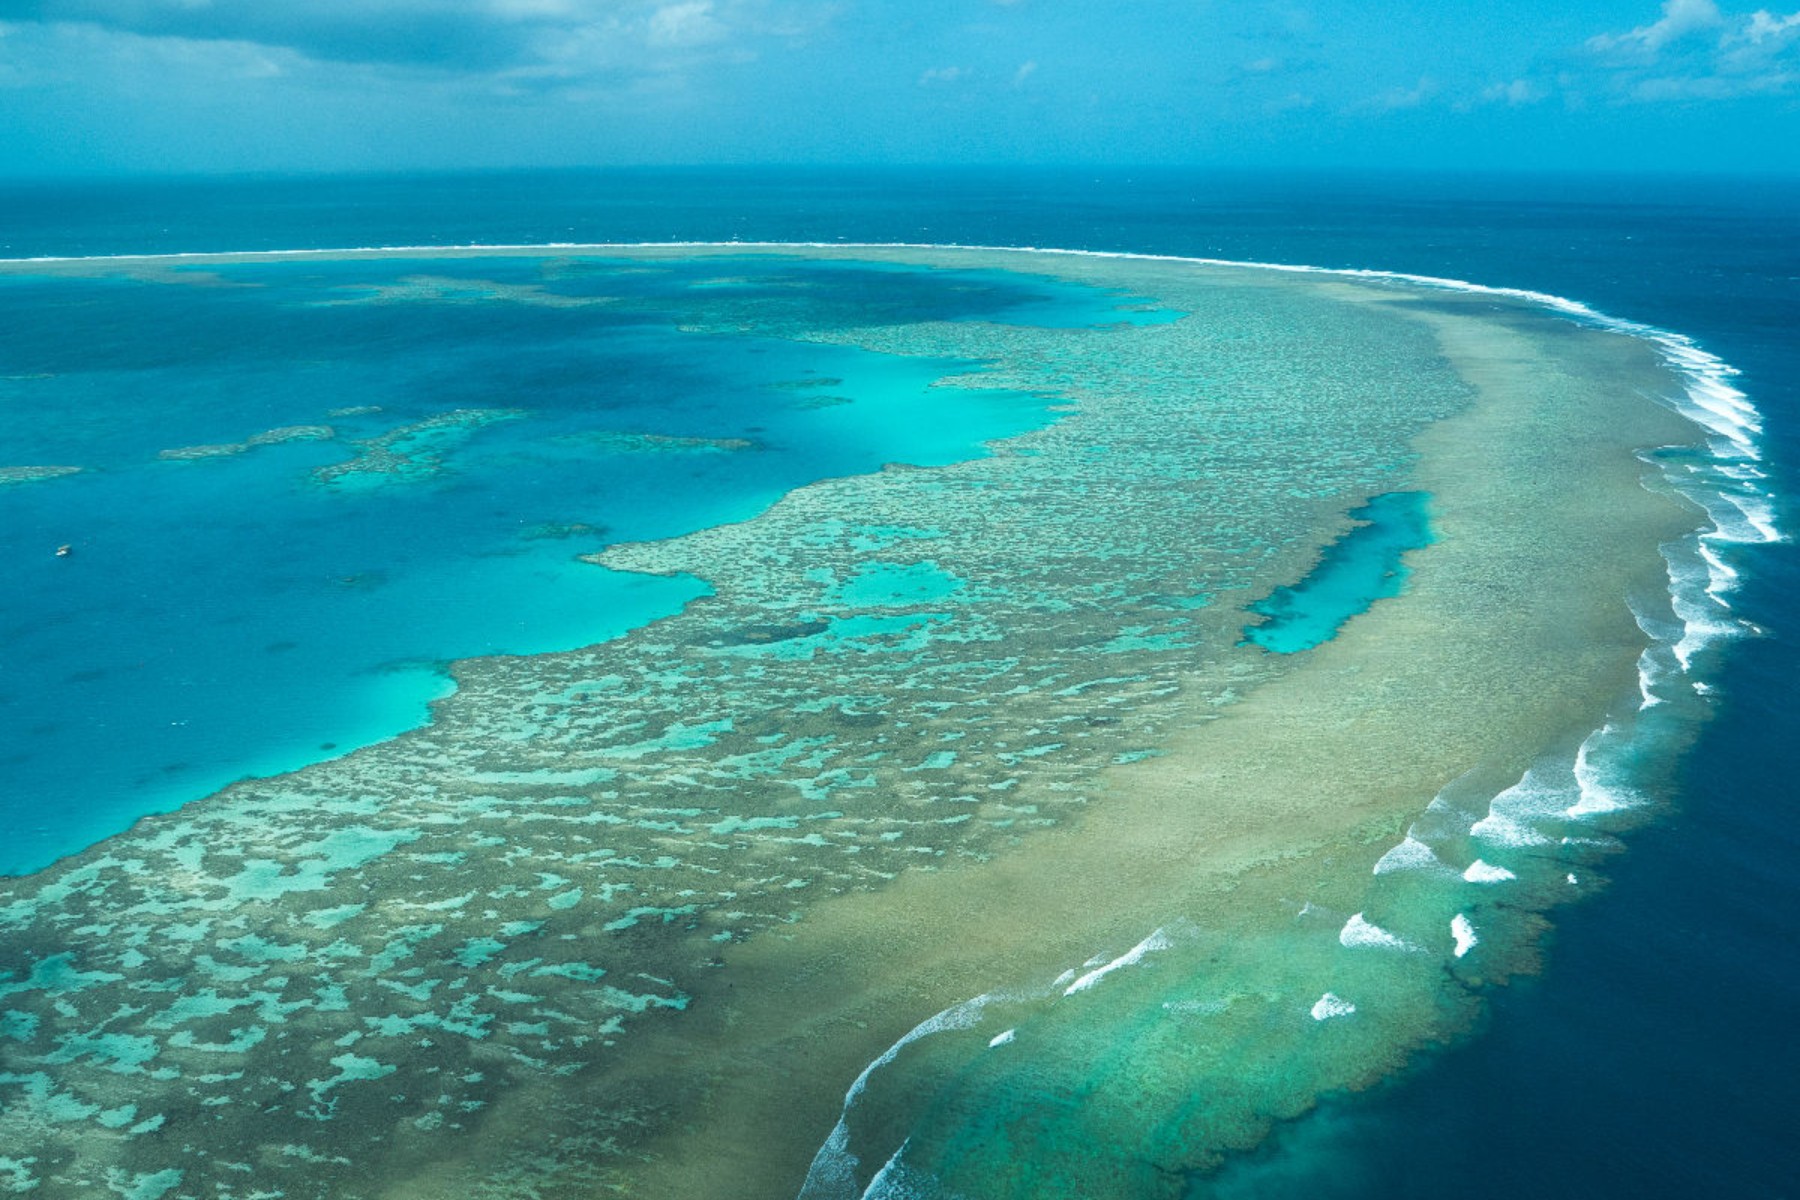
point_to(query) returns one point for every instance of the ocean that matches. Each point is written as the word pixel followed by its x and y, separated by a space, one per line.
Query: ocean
pixel 1648 1056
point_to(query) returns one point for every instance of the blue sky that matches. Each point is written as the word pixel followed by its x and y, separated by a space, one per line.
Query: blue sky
pixel 236 85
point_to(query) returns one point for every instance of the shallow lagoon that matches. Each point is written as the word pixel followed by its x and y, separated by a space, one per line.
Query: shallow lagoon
pixel 845 814
pixel 1364 566
pixel 315 484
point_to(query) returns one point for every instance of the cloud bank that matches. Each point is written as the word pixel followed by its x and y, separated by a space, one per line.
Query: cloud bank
pixel 322 84
pixel 1695 51
pixel 501 37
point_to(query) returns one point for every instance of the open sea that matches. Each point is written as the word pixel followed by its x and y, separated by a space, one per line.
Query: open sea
pixel 1653 1056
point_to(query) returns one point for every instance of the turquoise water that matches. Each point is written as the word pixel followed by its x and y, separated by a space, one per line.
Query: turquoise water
pixel 895 669
pixel 1658 991
pixel 1363 566
pixel 307 486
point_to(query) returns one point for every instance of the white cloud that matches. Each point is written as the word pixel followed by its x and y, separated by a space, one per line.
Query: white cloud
pixel 1680 19
pixel 1714 87
pixel 1763 45
pixel 1697 52
pixel 1764 26
pixel 36 55
pixel 1517 93
pixel 691 23
pixel 1395 99
pixel 939 75
pixel 1026 71
pixel 1262 66
pixel 533 9
pixel 468 38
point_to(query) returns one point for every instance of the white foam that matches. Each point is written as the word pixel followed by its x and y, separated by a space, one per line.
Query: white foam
pixel 1598 795
pixel 1331 1005
pixel 1701 580
pixel 1411 854
pixel 1654 625
pixel 1484 872
pixel 1722 576
pixel 1001 1039
pixel 1740 516
pixel 832 1175
pixel 1456 806
pixel 1503 830
pixel 1648 676
pixel 1158 940
pixel 1464 933
pixel 897 1181
pixel 1731 489
pixel 1512 812
pixel 1759 513
pixel 1359 931
pixel 1705 619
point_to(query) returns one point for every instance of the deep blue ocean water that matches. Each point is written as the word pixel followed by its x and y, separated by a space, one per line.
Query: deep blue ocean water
pixel 1654 1055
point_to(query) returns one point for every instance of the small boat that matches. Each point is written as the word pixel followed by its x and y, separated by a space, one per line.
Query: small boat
pixel 64 551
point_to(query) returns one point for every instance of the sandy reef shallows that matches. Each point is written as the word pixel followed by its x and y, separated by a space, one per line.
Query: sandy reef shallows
pixel 956 836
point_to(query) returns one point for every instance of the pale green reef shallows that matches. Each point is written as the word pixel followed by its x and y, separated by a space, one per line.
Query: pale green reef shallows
pixel 958 844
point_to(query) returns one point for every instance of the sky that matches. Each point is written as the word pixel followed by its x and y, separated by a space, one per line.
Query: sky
pixel 136 86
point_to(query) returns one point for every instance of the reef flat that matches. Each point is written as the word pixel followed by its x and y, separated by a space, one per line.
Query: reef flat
pixel 958 842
